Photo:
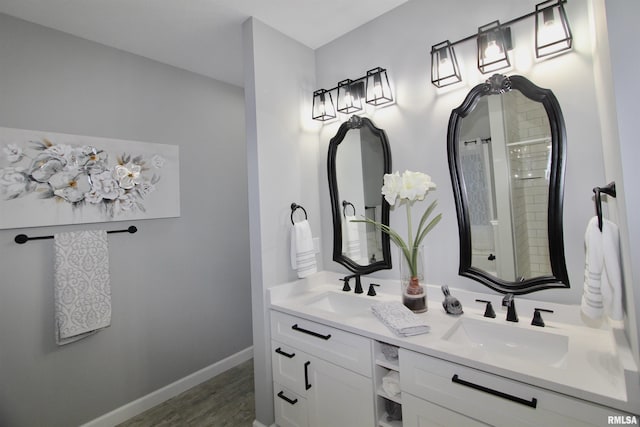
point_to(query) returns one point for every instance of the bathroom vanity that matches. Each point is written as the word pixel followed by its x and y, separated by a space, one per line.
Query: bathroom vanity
pixel 330 356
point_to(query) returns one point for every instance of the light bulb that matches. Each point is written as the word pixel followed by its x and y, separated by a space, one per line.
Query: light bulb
pixel 492 51
pixel 446 67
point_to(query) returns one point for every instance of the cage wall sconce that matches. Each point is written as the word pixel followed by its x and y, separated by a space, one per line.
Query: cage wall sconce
pixel 323 108
pixel 373 87
pixel 552 36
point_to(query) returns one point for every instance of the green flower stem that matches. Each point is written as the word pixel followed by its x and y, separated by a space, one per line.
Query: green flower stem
pixel 410 250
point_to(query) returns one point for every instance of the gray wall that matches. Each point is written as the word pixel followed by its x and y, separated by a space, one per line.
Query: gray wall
pixel 180 286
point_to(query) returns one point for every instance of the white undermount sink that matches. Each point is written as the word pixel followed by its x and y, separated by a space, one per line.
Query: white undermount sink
pixel 502 341
pixel 342 303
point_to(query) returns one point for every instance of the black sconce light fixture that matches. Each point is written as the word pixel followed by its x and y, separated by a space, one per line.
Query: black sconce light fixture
pixel 552 36
pixel 374 87
pixel 378 88
pixel 494 42
pixel 323 108
pixel 444 65
pixel 350 96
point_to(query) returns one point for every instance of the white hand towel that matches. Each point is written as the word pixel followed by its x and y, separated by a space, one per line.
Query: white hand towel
pixel 353 238
pixel 82 285
pixel 303 255
pixel 399 319
pixel 391 383
pixel 602 274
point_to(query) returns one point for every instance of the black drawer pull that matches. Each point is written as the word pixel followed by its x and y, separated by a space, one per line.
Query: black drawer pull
pixel 531 403
pixel 285 354
pixel 286 399
pixel 306 331
pixel 307 386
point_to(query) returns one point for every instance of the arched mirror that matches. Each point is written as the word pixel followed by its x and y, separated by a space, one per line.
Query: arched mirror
pixel 359 156
pixel 506 146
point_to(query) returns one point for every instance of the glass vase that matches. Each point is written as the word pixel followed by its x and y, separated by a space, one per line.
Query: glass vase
pixel 414 292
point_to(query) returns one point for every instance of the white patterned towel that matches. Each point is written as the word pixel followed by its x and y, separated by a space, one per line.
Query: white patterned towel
pixel 399 319
pixel 82 285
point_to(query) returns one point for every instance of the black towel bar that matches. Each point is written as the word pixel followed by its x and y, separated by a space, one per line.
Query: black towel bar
pixel 609 189
pixel 23 238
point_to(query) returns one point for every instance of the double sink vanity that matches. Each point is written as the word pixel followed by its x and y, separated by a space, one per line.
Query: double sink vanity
pixel 335 364
pixel 328 362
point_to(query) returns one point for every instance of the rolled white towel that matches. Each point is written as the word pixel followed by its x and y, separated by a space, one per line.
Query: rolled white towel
pixel 402 321
pixel 391 383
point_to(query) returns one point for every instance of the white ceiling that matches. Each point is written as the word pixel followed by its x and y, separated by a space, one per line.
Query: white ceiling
pixel 203 36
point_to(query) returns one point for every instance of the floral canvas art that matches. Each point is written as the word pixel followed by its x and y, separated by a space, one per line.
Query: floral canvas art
pixel 52 179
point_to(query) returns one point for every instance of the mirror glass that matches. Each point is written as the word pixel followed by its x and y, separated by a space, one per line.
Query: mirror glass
pixel 358 158
pixel 506 148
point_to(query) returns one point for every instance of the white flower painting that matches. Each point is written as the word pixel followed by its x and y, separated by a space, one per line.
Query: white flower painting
pixel 54 179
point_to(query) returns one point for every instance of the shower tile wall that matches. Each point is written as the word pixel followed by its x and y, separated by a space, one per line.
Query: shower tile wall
pixel 529 183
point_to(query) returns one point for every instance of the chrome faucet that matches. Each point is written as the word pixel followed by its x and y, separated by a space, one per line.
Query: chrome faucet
pixel 508 300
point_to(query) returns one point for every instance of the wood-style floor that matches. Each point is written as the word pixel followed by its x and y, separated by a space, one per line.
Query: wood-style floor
pixel 224 401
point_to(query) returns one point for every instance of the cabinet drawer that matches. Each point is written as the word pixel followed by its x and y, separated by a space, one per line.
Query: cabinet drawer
pixel 288 366
pixel 420 413
pixel 490 398
pixel 290 408
pixel 342 348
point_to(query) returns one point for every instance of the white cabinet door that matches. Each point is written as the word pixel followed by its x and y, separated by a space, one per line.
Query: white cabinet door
pixel 420 413
pixel 338 397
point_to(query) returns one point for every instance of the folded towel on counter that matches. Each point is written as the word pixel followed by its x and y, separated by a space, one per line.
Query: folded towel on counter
pixel 391 383
pixel 82 290
pixel 353 238
pixel 602 293
pixel 303 255
pixel 402 321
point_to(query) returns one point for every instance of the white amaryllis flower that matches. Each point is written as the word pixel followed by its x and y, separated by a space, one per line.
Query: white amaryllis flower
pixel 128 175
pixel 409 187
pixel 415 186
pixel 13 152
pixel 392 184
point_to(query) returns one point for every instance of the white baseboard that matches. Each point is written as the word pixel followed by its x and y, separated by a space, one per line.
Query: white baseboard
pixel 138 406
pixel 257 423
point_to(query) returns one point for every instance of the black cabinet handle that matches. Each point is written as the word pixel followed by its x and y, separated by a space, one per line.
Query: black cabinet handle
pixel 531 403
pixel 286 399
pixel 307 386
pixel 285 354
pixel 306 331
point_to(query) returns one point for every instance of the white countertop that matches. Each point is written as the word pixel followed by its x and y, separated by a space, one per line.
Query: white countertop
pixel 597 367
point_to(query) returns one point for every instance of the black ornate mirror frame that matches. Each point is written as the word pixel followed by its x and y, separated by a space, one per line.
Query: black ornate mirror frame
pixel 357 122
pixel 496 85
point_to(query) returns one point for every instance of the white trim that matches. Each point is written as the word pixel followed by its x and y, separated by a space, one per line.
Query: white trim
pixel 257 423
pixel 154 398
